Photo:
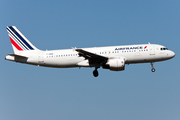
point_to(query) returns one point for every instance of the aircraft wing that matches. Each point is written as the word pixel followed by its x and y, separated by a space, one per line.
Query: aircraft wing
pixel 88 55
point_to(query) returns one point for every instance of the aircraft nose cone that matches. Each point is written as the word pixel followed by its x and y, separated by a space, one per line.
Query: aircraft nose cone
pixel 172 54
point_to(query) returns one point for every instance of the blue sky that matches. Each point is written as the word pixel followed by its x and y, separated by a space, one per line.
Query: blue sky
pixel 31 92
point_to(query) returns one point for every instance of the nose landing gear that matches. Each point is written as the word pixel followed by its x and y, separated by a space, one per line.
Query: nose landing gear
pixel 153 69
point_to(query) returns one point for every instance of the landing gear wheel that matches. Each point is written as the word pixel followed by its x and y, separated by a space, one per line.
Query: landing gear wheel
pixel 95 73
pixel 153 70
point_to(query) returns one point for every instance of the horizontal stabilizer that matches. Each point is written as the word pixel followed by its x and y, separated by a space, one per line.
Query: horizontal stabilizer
pixel 20 56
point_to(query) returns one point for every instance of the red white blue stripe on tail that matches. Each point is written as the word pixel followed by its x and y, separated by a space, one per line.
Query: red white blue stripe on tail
pixel 18 40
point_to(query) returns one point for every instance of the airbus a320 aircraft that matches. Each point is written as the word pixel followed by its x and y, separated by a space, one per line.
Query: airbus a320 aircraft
pixel 113 58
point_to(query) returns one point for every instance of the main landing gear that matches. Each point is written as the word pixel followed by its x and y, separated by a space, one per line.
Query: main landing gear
pixel 153 69
pixel 95 72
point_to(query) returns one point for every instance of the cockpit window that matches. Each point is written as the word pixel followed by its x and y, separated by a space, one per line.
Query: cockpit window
pixel 163 48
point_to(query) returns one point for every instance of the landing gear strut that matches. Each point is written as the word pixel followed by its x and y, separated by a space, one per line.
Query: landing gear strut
pixel 153 69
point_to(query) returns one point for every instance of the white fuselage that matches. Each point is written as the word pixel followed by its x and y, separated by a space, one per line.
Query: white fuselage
pixel 141 53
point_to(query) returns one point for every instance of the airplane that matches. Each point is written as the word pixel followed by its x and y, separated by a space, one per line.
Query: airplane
pixel 113 58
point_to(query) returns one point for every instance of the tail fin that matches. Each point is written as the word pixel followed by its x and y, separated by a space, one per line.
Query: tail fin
pixel 18 40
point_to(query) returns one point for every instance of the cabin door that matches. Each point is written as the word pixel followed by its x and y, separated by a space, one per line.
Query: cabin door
pixel 40 58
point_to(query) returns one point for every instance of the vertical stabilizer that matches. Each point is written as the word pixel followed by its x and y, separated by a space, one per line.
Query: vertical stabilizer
pixel 18 40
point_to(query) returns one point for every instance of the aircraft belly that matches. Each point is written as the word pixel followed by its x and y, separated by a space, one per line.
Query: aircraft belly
pixel 143 58
pixel 63 62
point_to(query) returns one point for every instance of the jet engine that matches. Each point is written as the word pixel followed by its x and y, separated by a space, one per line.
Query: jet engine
pixel 115 64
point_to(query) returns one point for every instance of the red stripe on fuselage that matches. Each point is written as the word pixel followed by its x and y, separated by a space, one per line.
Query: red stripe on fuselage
pixel 15 44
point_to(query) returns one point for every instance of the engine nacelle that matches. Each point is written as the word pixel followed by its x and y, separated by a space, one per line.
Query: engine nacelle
pixel 115 64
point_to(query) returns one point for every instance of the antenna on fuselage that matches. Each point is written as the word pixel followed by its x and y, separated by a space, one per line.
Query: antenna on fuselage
pixel 74 48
